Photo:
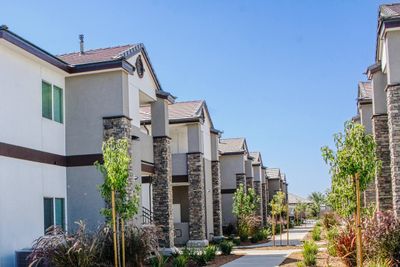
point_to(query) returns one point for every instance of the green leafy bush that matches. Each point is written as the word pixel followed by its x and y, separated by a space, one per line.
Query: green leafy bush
pixel 332 235
pixel 316 233
pixel 180 261
pixel 210 252
pixel 244 237
pixel 379 263
pixel 226 247
pixel 159 261
pixel 265 233
pixel 310 250
pixel 236 241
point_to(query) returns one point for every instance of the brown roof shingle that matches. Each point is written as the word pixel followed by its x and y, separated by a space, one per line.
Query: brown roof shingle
pixel 230 145
pixel 177 111
pixel 390 10
pixel 97 55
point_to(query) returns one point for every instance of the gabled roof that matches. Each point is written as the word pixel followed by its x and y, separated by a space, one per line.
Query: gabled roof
pixel 364 92
pixel 257 159
pixel 180 112
pixel 100 55
pixel 273 173
pixel 232 145
pixel 389 10
pixel 295 199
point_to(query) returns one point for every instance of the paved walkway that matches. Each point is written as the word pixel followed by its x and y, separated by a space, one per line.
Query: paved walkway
pixel 256 257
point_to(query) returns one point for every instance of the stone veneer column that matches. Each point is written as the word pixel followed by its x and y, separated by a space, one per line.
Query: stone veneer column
pixel 162 190
pixel 249 183
pixel 393 110
pixel 265 201
pixel 120 127
pixel 197 209
pixel 216 187
pixel 383 180
pixel 258 190
pixel 241 179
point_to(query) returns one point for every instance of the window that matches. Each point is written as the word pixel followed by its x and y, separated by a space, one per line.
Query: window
pixel 58 104
pixel 46 101
pixel 52 102
pixel 54 212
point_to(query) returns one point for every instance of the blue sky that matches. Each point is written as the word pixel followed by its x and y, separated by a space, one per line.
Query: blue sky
pixel 283 74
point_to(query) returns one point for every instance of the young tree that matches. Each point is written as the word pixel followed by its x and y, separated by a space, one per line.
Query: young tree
pixel 277 207
pixel 352 167
pixel 114 190
pixel 244 207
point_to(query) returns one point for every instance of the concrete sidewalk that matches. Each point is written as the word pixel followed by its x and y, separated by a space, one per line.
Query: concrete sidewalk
pixel 269 258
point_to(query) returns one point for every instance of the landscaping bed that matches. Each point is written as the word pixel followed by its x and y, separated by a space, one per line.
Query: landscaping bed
pixel 323 260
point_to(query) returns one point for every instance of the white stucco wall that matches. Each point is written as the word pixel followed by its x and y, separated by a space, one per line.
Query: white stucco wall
pixel 392 45
pixel 21 102
pixel 179 138
pixel 24 184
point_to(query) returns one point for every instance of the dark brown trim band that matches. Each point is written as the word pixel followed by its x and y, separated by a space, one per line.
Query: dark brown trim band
pixel 232 153
pixel 19 152
pixel 147 167
pixel 228 191
pixel 180 179
pixel 83 160
pixel 24 153
pixel 379 115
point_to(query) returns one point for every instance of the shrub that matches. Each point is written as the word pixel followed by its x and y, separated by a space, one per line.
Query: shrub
pixel 382 237
pixel 141 243
pixel 159 261
pixel 210 252
pixel 236 241
pixel 346 245
pixel 200 258
pixel 318 224
pixel 310 250
pixel 316 233
pixel 265 233
pixel 244 237
pixel 332 235
pixel 329 220
pixel 80 249
pixel 226 247
pixel 180 261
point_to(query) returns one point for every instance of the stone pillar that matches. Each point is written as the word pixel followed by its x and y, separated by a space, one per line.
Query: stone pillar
pixel 393 109
pixel 241 179
pixel 162 180
pixel 216 187
pixel 119 127
pixel 258 190
pixel 197 209
pixel 383 180
pixel 265 202
pixel 249 183
pixel 162 191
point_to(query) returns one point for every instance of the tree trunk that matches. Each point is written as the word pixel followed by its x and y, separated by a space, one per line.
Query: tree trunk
pixel 358 222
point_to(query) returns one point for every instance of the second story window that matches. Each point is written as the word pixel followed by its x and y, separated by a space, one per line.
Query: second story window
pixel 52 102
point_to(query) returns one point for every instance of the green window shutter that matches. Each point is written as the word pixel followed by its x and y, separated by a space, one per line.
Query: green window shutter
pixel 58 104
pixel 46 101
pixel 60 213
pixel 48 213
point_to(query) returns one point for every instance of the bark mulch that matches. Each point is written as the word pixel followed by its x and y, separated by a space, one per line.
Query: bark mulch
pixel 323 260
